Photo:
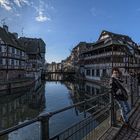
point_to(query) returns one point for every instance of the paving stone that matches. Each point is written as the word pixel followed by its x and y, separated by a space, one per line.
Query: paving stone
pixel 128 134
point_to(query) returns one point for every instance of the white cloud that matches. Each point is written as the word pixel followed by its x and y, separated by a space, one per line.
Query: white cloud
pixel 49 30
pixel 8 5
pixel 17 14
pixel 41 17
pixel 93 11
pixel 40 11
pixel 25 2
pixel 19 3
pixel 5 4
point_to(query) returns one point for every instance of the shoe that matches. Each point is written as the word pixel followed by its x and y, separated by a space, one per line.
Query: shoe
pixel 126 125
pixel 120 120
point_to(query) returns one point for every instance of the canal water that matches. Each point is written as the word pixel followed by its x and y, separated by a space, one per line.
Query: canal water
pixel 55 93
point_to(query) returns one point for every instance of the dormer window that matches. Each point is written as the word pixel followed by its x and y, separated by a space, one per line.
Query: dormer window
pixel 107 40
pixel 130 43
pixel 104 36
pixel 120 41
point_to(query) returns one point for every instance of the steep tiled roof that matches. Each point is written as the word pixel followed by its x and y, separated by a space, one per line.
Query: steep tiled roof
pixel 111 34
pixel 33 45
pixel 107 38
pixel 119 38
pixel 9 39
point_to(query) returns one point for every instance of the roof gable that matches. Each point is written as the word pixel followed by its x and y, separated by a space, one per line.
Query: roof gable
pixel 104 34
pixel 33 45
pixel 9 39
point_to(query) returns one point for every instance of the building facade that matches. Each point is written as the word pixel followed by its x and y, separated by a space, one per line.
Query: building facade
pixel 12 56
pixel 110 50
pixel 53 67
pixel 35 50
pixel 71 63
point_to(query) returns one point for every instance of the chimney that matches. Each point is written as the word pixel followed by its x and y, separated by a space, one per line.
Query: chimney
pixel 5 27
pixel 15 35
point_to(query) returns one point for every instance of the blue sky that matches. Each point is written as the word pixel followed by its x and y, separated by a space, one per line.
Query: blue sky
pixel 64 23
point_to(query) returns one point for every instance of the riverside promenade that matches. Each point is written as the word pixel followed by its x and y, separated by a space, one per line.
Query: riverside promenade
pixel 124 133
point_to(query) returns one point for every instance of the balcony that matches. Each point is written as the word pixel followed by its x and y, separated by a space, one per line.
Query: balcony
pixel 11 67
pixel 34 61
pixel 106 65
pixel 12 55
pixel 105 54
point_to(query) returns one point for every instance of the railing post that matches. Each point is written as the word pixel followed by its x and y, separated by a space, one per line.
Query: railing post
pixel 132 102
pixel 85 104
pixel 44 120
pixel 9 87
pixel 137 84
pixel 113 111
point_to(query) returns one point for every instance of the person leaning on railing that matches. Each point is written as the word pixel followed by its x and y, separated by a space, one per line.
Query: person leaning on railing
pixel 120 94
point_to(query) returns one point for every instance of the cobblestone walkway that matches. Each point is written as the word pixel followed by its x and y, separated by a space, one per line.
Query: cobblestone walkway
pixel 130 133
pixel 123 133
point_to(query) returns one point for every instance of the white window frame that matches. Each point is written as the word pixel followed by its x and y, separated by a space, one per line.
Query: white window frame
pixel 4 61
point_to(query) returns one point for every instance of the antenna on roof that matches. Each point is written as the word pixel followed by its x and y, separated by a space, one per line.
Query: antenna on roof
pixel 3 21
pixel 22 30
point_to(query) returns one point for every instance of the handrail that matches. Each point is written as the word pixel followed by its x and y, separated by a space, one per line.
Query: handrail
pixel 101 111
pixel 47 115
pixel 11 129
pixel 43 119
pixel 75 105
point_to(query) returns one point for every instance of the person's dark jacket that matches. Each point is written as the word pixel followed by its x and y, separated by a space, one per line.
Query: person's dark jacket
pixel 118 90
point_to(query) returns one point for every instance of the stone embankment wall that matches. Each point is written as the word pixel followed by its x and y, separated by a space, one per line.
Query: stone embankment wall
pixel 8 85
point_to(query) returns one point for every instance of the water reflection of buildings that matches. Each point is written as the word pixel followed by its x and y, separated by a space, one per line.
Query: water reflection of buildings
pixel 59 77
pixel 86 90
pixel 81 90
pixel 24 105
pixel 54 77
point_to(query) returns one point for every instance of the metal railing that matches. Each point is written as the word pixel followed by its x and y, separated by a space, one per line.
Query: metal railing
pixel 98 106
pixel 84 128
pixel 95 110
